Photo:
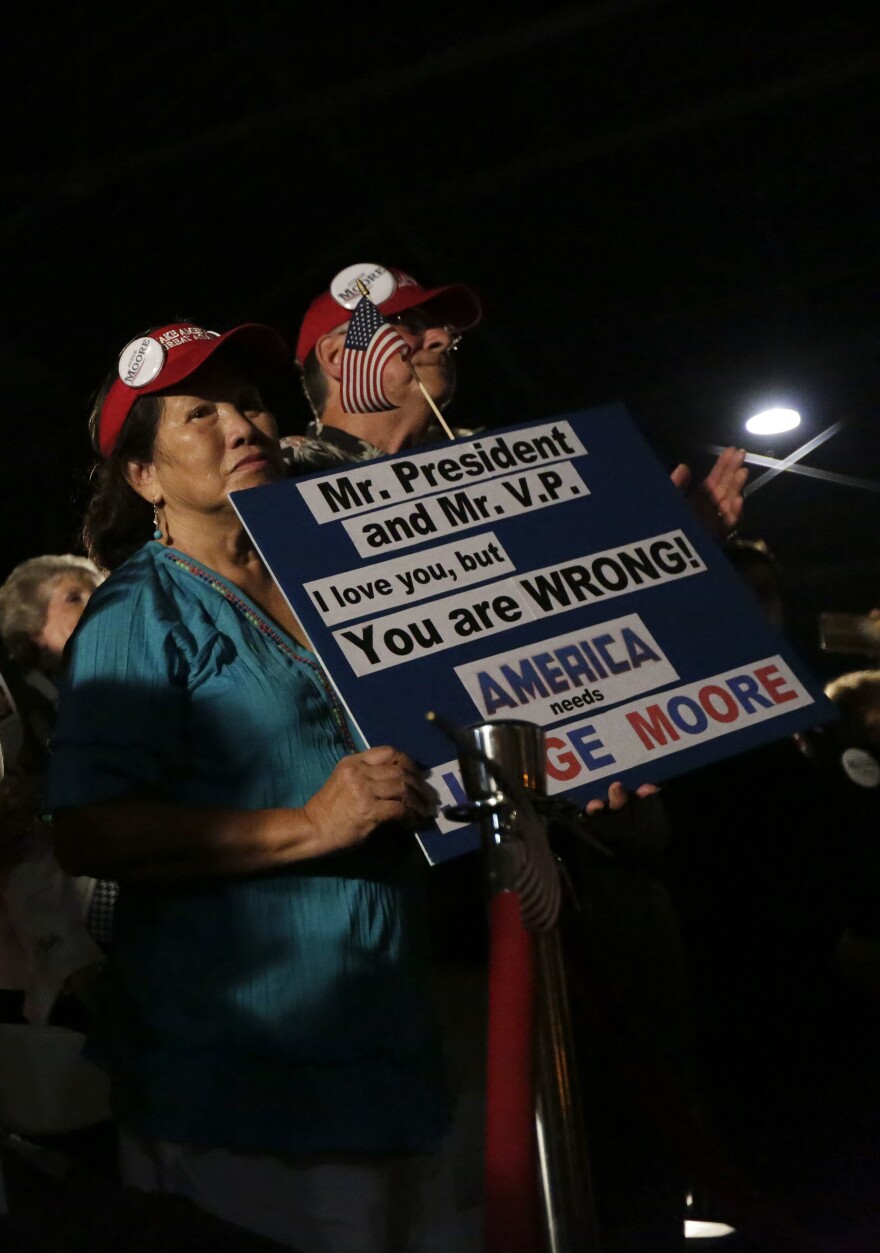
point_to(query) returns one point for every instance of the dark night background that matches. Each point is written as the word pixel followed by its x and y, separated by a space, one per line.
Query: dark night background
pixel 665 203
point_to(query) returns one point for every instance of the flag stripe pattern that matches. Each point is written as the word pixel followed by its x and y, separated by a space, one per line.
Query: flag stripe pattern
pixel 370 344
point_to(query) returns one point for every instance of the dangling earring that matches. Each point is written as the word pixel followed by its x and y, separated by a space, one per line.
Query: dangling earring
pixel 157 530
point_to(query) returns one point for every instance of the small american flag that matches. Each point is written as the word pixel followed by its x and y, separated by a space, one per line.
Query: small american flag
pixel 369 345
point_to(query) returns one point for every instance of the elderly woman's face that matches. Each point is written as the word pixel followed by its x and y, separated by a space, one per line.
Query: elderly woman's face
pixel 68 596
pixel 215 436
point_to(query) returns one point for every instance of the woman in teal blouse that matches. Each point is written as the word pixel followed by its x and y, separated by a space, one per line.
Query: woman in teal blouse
pixel 265 1004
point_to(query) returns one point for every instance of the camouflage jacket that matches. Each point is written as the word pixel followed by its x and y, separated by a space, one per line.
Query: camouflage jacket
pixel 327 447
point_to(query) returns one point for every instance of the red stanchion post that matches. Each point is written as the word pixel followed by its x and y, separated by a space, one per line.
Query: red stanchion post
pixel 511 1192
pixel 538 1193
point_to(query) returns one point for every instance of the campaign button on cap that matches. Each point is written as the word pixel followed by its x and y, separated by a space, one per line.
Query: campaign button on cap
pixel 860 767
pixel 380 283
pixel 141 361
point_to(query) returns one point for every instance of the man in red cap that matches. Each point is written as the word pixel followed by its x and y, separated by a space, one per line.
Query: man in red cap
pixel 431 320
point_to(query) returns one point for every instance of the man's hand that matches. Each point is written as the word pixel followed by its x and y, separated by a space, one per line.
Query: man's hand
pixel 718 500
pixel 618 797
pixel 631 824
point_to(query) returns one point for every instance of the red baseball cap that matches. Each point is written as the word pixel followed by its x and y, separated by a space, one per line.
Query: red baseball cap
pixel 155 361
pixel 393 291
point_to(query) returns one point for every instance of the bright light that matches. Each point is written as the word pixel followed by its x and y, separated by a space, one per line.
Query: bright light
pixel 705 1231
pixel 696 1229
pixel 772 421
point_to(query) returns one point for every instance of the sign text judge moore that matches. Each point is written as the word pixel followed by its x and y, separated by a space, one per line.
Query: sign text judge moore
pixel 548 571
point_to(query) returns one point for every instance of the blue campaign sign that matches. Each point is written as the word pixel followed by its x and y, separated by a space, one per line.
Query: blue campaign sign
pixel 548 571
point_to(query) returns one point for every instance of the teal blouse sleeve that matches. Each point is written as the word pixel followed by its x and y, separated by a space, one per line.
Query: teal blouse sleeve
pixel 121 701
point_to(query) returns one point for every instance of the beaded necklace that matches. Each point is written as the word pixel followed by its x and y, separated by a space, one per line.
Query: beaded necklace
pixel 247 611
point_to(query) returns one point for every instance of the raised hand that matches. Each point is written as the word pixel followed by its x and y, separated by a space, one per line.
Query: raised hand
pixel 718 500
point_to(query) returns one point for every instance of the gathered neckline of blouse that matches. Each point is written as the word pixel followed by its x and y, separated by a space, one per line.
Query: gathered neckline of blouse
pixel 246 607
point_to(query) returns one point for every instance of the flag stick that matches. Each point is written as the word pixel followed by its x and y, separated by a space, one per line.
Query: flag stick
pixel 438 415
